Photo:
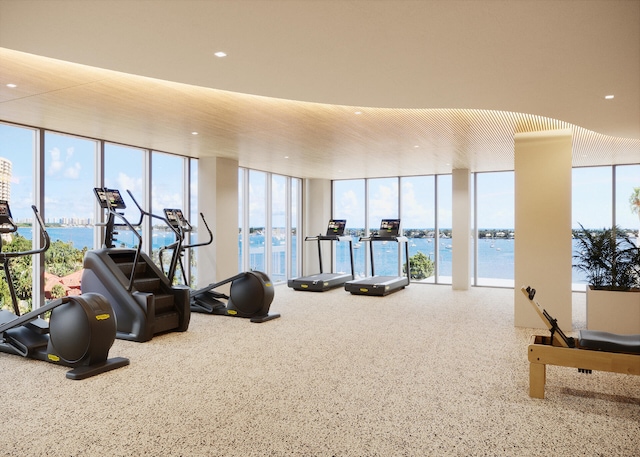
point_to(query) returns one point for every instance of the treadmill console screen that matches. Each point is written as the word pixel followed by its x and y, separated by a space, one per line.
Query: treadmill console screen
pixel 336 227
pixel 109 198
pixel 390 227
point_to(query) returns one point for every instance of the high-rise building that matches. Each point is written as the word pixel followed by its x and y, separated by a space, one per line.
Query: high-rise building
pixel 5 179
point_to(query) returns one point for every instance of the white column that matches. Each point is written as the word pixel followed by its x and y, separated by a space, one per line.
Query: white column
pixel 543 252
pixel 218 200
pixel 461 230
pixel 316 214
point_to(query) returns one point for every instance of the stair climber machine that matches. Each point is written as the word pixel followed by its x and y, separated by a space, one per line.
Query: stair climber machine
pixel 325 281
pixel 250 294
pixel 80 330
pixel 144 301
pixel 383 285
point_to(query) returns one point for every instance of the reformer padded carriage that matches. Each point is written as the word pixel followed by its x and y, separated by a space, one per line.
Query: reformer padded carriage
pixel 593 350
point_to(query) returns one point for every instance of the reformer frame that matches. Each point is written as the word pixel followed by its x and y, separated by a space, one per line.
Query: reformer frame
pixel 560 350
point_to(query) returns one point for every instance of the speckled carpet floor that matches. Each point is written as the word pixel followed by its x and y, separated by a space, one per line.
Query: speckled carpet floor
pixel 426 371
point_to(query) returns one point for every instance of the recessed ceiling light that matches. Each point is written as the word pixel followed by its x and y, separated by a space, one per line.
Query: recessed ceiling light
pixel 220 54
pixel 12 85
pixel 358 112
pixel 286 157
pixel 608 97
pixel 194 133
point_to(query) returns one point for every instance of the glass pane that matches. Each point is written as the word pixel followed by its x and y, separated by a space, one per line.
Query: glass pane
pixel 257 219
pixel 241 221
pixel 295 214
pixel 496 221
pixel 123 170
pixel 444 269
pixel 69 209
pixel 278 237
pixel 382 203
pixel 418 220
pixel 592 208
pixel 349 204
pixel 191 260
pixel 627 209
pixel 16 186
pixel 167 191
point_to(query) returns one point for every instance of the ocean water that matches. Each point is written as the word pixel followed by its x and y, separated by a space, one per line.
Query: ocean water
pixel 82 237
pixel 495 256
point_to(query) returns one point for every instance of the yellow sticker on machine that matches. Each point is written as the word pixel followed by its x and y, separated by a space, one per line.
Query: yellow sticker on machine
pixel 232 312
pixel 304 286
pixel 103 317
pixel 362 289
pixel 53 357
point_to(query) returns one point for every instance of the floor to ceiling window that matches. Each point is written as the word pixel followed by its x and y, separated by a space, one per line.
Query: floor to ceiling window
pixel 294 224
pixel 349 204
pixel 167 192
pixel 123 171
pixel 383 203
pixel 627 213
pixel 444 224
pixel 591 206
pixel 17 151
pixel 268 222
pixel 495 228
pixel 417 198
pixel 411 199
pixel 278 233
pixel 190 261
pixel 69 208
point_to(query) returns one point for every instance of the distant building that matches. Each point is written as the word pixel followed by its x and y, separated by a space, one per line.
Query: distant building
pixel 5 179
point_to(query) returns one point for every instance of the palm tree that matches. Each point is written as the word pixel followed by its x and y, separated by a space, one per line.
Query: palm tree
pixel 634 202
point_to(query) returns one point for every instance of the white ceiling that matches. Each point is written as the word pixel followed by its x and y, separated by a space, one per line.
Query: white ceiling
pixel 438 84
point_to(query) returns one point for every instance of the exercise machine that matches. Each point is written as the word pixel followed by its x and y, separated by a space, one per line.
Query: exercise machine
pixel 80 330
pixel 250 293
pixel 144 301
pixel 383 285
pixel 592 350
pixel 324 281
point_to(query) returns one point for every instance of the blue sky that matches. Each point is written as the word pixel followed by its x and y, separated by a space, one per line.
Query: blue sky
pixel 69 174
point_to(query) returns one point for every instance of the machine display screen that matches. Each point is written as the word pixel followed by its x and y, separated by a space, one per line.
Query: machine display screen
pixel 336 227
pixel 174 216
pixel 109 198
pixel 390 227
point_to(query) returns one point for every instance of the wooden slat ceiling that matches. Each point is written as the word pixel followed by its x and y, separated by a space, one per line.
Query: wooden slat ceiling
pixel 297 138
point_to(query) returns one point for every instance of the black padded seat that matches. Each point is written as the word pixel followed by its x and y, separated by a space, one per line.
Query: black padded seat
pixel 609 342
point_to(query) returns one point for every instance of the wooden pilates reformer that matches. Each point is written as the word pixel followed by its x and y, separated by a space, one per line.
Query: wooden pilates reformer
pixel 593 350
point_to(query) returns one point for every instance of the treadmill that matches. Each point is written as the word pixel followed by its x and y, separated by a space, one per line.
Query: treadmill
pixel 325 281
pixel 382 285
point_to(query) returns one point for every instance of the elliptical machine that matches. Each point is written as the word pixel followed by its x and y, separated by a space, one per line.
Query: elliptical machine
pixel 250 294
pixel 80 331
